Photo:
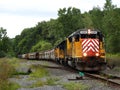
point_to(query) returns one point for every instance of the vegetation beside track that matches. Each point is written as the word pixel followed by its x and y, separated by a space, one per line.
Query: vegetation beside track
pixel 49 81
pixel 39 72
pixel 75 86
pixel 7 70
pixel 114 59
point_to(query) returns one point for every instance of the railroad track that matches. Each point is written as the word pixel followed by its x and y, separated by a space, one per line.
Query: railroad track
pixel 108 79
pixel 109 82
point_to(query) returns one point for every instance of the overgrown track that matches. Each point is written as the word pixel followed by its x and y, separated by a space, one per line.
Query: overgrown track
pixel 109 82
pixel 99 76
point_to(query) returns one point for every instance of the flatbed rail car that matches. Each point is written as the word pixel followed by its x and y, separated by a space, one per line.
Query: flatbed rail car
pixel 83 49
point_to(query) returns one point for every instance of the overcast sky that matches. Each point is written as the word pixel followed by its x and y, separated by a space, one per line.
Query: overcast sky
pixel 15 15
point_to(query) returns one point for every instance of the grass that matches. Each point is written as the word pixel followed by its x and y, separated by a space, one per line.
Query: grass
pixel 75 86
pixel 113 59
pixel 7 69
pixel 117 69
pixel 39 72
pixel 52 81
pixel 6 85
pixel 113 55
pixel 49 81
pixel 38 84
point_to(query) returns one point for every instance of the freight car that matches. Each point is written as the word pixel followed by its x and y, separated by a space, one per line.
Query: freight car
pixel 83 49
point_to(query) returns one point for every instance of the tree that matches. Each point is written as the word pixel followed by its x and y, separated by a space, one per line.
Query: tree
pixel 5 43
pixel 108 5
pixel 70 19
pixel 88 23
pixel 41 46
pixel 111 25
pixel 96 16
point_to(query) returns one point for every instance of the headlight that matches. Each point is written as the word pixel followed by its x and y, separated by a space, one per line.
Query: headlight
pixel 84 54
pixel 97 54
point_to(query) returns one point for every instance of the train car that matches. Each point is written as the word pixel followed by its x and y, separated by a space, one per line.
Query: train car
pixel 23 56
pixel 52 54
pixel 40 56
pixel 33 55
pixel 84 50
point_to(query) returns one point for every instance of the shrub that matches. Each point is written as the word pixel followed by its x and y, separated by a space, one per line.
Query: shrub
pixel 6 71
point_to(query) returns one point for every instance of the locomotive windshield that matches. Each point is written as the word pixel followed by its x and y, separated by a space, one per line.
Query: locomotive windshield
pixel 90 36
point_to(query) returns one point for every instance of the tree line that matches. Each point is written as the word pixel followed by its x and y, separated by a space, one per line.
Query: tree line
pixel 47 34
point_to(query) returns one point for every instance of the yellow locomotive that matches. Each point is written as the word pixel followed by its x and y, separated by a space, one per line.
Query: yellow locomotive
pixel 83 49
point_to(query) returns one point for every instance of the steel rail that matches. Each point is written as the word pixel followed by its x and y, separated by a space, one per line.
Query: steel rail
pixel 108 81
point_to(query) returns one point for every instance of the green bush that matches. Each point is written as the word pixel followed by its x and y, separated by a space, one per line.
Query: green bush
pixel 40 46
pixel 2 54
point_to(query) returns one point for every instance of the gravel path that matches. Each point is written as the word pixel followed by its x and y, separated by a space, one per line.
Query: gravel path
pixel 63 75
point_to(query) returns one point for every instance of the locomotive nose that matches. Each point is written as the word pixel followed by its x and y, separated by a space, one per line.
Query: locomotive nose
pixel 90 47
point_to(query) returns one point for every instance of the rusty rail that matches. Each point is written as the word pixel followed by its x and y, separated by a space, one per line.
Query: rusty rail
pixel 103 79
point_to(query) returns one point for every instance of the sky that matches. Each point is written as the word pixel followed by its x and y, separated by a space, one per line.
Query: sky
pixel 16 15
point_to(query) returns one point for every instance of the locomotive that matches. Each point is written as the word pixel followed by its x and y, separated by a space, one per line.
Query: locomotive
pixel 83 49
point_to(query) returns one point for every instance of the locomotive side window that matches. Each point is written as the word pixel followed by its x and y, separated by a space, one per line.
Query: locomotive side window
pixel 101 37
pixel 70 39
pixel 76 38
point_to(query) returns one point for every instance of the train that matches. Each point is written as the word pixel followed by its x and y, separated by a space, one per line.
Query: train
pixel 84 50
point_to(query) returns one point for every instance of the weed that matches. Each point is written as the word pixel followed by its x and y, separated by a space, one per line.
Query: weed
pixel 6 71
pixel 6 85
pixel 49 81
pixel 52 81
pixel 39 72
pixel 38 84
pixel 113 59
pixel 75 86
pixel 117 69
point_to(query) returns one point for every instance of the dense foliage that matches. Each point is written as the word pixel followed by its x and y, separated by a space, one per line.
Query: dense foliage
pixel 5 44
pixel 47 34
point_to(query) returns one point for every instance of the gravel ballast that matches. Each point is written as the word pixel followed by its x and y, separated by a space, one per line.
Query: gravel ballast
pixel 63 75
